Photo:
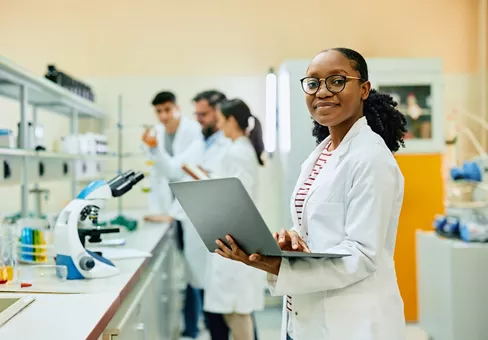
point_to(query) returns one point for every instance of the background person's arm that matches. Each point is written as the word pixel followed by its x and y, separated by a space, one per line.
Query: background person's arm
pixel 171 166
pixel 368 214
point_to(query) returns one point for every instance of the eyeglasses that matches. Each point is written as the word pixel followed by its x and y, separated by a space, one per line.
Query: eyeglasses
pixel 334 83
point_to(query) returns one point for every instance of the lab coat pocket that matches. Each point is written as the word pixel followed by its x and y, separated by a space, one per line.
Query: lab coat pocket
pixel 353 317
pixel 307 312
pixel 325 224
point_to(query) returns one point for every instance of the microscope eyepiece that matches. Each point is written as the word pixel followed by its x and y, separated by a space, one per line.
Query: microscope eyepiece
pixel 125 184
pixel 120 178
pixel 137 178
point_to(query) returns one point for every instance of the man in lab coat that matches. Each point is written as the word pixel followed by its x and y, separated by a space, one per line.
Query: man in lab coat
pixel 175 135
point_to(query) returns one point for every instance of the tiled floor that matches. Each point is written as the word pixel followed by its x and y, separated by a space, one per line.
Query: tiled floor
pixel 269 322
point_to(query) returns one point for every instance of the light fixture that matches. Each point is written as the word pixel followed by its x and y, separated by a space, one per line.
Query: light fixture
pixel 271 94
pixel 284 111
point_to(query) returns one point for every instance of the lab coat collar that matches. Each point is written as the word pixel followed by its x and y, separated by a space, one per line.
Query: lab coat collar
pixel 344 145
pixel 335 159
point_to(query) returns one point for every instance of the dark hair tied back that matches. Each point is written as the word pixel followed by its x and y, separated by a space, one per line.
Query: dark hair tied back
pixel 379 109
pixel 242 114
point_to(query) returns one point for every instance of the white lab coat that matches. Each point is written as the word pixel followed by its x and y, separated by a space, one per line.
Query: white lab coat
pixel 215 152
pixel 160 196
pixel 353 206
pixel 188 137
pixel 188 147
pixel 233 287
pixel 195 252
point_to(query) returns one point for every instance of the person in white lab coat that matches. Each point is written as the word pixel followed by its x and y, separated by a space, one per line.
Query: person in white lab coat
pixel 348 199
pixel 174 135
pixel 234 289
pixel 216 145
pixel 208 154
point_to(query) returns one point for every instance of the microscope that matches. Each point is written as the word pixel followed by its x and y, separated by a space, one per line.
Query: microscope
pixel 79 219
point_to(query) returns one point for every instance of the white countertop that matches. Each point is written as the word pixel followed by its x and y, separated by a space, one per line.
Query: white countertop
pixel 453 242
pixel 84 315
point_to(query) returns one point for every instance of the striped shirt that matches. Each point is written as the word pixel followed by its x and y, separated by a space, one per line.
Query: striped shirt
pixel 299 202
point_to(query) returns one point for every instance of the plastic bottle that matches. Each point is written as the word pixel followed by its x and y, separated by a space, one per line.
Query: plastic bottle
pixel 7 254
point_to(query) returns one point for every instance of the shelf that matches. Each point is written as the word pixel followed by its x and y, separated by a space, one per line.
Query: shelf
pixel 36 154
pixel 53 155
pixel 43 93
pixel 97 157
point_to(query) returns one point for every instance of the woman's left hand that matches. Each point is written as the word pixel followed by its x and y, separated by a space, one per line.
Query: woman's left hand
pixel 268 264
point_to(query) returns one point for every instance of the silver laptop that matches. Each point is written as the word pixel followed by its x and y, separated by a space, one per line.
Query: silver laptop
pixel 220 207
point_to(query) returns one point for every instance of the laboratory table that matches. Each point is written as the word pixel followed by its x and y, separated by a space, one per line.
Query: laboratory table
pixel 452 278
pixel 139 303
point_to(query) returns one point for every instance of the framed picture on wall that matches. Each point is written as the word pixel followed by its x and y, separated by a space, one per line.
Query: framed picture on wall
pixel 415 102
pixel 416 86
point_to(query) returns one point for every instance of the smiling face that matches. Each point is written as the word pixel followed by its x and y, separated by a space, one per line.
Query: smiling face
pixel 327 108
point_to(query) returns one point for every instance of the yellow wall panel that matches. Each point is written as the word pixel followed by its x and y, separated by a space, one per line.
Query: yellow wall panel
pixel 423 199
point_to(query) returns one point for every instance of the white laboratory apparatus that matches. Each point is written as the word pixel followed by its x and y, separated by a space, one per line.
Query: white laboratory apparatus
pixel 84 210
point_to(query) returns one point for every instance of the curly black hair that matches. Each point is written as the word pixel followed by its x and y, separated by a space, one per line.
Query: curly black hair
pixel 379 109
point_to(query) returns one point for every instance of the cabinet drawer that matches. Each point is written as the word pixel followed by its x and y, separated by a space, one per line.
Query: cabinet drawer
pixel 130 320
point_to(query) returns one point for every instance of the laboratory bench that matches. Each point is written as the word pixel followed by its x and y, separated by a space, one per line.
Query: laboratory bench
pixel 452 278
pixel 139 303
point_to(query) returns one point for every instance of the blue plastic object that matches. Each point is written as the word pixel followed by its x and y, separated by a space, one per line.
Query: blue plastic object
pixel 73 272
pixel 464 233
pixel 470 171
pixel 100 258
pixel 452 225
pixel 89 188
pixel 439 222
pixel 457 173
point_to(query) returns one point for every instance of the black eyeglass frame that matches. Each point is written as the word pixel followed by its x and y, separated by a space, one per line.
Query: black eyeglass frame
pixel 345 78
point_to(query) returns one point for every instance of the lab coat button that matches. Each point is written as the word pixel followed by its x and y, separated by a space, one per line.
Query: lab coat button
pixel 296 313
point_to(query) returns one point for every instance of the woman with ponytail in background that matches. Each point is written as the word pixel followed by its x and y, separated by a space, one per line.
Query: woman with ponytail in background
pixel 233 289
pixel 347 199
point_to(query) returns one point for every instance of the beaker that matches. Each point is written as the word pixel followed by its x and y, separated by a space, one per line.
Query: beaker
pixel 149 137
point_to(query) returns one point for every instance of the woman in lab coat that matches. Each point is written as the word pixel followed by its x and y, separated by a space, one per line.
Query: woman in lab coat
pixel 348 199
pixel 234 289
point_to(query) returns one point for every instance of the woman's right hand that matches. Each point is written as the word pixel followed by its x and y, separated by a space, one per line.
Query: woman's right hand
pixel 290 241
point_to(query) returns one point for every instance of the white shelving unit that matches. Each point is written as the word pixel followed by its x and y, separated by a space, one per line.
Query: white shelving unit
pixel 31 90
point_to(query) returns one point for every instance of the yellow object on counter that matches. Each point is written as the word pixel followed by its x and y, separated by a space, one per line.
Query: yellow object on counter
pixel 6 274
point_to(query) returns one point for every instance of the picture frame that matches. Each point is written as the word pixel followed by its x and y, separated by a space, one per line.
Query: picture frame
pixel 416 85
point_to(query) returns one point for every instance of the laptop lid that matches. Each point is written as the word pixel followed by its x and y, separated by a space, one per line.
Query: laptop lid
pixel 220 207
